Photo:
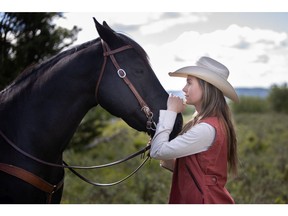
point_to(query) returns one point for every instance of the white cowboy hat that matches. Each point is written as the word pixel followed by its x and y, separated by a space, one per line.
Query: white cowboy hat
pixel 211 71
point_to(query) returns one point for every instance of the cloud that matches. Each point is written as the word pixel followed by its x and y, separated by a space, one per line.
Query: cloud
pixel 130 18
pixel 153 23
pixel 178 59
pixel 255 57
pixel 262 59
pixel 243 44
pixel 168 20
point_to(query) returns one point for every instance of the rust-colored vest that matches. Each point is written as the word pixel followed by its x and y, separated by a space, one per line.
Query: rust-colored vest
pixel 201 178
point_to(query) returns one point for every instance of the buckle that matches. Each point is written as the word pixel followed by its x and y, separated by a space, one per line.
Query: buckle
pixel 121 73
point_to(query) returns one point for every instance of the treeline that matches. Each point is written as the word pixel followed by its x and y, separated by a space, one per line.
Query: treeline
pixel 276 101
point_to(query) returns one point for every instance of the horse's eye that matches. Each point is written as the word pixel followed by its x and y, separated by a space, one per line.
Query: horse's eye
pixel 139 71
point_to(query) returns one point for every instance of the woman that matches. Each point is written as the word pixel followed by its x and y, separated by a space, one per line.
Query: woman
pixel 198 156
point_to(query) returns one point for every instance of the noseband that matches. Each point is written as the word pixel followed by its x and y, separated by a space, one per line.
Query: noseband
pixel 107 52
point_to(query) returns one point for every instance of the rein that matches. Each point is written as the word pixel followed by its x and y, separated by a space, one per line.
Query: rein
pixel 65 165
pixel 50 189
pixel 73 167
pixel 36 181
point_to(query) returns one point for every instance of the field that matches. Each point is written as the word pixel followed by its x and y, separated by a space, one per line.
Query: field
pixel 263 170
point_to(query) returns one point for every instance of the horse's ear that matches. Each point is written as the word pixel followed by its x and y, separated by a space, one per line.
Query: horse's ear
pixel 107 26
pixel 107 34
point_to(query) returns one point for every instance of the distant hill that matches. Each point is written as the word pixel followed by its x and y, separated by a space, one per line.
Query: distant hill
pixel 251 92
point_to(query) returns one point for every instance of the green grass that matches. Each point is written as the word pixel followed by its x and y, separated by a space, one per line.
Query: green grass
pixel 263 171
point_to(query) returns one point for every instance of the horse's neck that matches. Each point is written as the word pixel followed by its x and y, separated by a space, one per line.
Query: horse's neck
pixel 46 116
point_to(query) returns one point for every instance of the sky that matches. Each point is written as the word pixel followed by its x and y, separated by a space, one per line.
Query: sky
pixel 252 45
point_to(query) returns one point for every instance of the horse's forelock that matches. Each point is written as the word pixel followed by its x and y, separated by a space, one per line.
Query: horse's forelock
pixel 136 46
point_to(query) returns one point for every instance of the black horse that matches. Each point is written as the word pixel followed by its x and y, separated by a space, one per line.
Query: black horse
pixel 41 109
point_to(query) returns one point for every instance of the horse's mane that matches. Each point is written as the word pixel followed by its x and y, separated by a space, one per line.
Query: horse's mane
pixel 31 70
pixel 35 70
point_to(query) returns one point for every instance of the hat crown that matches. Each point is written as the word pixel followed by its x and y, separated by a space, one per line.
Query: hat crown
pixel 213 65
pixel 212 72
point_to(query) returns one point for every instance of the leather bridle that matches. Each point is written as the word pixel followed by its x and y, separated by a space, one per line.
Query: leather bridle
pixel 51 189
pixel 107 52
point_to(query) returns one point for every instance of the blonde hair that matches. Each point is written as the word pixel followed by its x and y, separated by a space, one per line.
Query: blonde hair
pixel 214 104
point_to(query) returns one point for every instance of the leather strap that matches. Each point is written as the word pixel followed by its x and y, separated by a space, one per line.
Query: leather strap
pixel 107 52
pixel 32 179
pixel 110 53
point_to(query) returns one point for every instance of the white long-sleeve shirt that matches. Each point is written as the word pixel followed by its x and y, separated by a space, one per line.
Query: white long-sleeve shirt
pixel 197 139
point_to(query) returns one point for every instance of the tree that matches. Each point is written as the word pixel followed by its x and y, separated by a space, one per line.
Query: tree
pixel 29 38
pixel 278 98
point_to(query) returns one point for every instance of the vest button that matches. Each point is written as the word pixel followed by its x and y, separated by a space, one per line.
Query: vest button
pixel 214 179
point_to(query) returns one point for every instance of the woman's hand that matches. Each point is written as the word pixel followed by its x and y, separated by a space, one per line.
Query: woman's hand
pixel 175 103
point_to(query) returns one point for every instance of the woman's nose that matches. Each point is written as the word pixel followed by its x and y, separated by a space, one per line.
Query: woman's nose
pixel 184 89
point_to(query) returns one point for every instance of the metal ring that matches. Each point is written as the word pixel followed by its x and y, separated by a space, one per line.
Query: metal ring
pixel 121 73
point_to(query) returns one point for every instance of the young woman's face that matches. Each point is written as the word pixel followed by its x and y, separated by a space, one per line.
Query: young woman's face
pixel 193 92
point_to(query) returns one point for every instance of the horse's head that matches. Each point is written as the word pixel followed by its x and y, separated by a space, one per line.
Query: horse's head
pixel 114 94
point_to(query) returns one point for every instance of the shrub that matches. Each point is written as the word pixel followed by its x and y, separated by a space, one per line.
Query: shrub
pixel 250 105
pixel 278 98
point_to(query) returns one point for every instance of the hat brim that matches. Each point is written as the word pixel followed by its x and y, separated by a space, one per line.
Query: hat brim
pixel 209 76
